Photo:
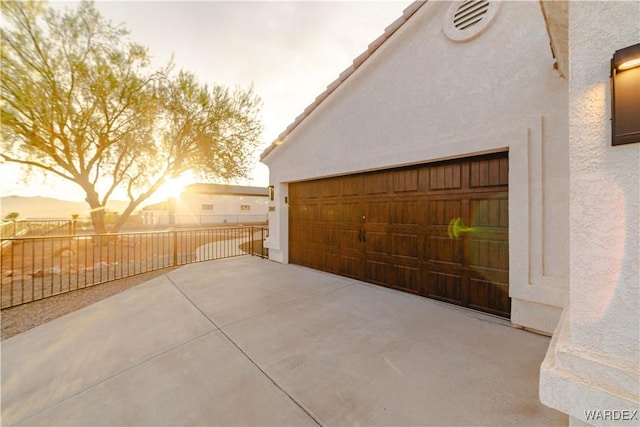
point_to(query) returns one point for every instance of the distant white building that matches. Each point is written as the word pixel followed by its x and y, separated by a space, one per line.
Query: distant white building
pixel 210 204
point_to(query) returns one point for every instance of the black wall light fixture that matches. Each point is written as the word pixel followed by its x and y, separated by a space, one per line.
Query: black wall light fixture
pixel 625 96
pixel 272 192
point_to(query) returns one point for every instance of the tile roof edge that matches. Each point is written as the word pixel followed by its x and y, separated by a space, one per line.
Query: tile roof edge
pixel 225 189
pixel 407 13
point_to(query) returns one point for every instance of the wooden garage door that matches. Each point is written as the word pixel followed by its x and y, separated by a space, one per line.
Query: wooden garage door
pixel 439 230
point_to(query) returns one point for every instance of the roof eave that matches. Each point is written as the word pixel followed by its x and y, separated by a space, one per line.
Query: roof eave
pixel 556 17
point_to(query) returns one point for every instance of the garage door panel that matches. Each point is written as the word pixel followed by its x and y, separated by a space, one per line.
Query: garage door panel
pixel 351 212
pixel 490 172
pixel 376 243
pixel 352 185
pixel 311 213
pixel 376 272
pixel 307 257
pixel 446 287
pixel 445 177
pixel 377 213
pixel 311 190
pixel 441 212
pixel 406 278
pixel 404 245
pixel 490 296
pixel 406 212
pixel 331 187
pixel 376 183
pixel 312 234
pixel 492 275
pixel 331 238
pixel 351 266
pixel 331 262
pixel 349 240
pixel 492 254
pixel 444 250
pixel 306 212
pixel 329 212
pixel 489 212
pixel 309 246
pixel 405 180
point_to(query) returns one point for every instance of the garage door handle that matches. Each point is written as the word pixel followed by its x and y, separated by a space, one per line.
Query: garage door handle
pixel 362 237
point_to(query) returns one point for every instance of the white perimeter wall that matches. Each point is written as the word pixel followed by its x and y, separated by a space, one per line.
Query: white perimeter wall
pixel 422 97
pixel 593 362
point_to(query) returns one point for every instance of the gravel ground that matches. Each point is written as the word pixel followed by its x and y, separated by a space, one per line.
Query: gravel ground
pixel 16 320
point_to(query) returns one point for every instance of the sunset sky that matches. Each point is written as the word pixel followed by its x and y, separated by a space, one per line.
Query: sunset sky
pixel 290 51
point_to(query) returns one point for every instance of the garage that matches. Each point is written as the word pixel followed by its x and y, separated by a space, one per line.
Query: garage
pixel 439 230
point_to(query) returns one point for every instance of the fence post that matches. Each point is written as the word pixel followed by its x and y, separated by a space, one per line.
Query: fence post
pixel 175 247
pixel 251 240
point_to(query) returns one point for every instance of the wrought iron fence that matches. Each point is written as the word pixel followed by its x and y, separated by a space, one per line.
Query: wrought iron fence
pixel 13 228
pixel 37 227
pixel 51 227
pixel 34 268
pixel 256 245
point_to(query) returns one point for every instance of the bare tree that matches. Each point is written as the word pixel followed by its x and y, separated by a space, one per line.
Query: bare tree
pixel 80 101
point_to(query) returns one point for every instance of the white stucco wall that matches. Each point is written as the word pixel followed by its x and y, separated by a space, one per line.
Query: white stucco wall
pixel 422 97
pixel 594 360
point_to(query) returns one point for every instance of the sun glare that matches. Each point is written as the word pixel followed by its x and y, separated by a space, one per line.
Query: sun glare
pixel 173 187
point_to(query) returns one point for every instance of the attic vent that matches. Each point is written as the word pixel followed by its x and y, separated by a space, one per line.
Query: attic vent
pixel 467 19
pixel 469 13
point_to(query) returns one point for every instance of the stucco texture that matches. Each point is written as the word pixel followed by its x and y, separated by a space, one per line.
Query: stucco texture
pixel 605 182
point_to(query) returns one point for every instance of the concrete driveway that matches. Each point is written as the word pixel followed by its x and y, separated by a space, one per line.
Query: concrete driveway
pixel 246 341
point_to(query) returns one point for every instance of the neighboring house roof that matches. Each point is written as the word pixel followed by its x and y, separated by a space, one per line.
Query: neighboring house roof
pixel 221 189
pixel 555 14
pixel 388 32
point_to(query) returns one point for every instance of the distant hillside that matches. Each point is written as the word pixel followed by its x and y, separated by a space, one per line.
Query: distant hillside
pixel 47 207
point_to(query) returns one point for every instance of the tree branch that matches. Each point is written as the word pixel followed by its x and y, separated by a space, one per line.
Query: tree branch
pixel 36 164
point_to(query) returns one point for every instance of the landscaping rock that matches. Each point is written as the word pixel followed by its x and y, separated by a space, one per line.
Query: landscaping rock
pixel 11 273
pixel 55 270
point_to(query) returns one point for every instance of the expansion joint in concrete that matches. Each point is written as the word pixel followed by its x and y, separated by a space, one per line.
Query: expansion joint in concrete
pixel 253 362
